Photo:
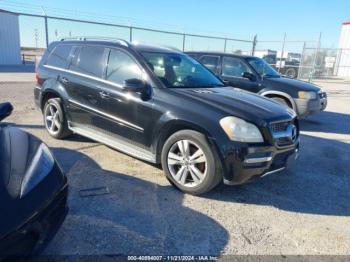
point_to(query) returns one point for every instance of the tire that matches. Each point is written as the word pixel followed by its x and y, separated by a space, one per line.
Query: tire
pixel 57 127
pixel 183 172
pixel 282 101
pixel 291 73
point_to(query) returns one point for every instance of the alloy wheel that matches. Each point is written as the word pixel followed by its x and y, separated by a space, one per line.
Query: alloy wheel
pixel 187 163
pixel 53 121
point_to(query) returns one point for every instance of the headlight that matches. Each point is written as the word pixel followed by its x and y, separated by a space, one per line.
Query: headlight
pixel 239 130
pixel 307 95
pixel 40 167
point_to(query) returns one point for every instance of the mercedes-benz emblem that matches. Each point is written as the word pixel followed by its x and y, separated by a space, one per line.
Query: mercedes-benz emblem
pixel 293 132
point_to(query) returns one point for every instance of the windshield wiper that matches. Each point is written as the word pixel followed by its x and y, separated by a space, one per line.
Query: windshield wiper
pixel 212 85
pixel 199 86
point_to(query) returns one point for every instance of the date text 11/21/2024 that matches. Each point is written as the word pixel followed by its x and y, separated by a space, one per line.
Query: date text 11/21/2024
pixel 172 258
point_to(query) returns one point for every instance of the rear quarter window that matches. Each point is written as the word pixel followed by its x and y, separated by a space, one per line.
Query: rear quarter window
pixel 59 56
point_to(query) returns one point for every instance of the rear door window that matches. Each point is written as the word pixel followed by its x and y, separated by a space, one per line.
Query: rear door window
pixel 59 56
pixel 90 61
pixel 234 67
pixel 211 62
pixel 195 56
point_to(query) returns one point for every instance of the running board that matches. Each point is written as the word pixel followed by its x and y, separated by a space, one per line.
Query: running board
pixel 115 143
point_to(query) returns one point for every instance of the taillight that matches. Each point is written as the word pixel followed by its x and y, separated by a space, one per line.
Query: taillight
pixel 37 78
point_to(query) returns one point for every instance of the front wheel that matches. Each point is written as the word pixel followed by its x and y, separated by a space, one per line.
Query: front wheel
pixel 190 163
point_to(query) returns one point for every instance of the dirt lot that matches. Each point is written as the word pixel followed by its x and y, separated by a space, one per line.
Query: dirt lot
pixel 306 211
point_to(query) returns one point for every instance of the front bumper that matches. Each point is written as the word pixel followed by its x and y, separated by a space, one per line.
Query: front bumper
pixel 248 163
pixel 305 107
pixel 38 230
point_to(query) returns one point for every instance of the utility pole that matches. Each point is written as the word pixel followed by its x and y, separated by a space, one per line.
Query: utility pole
pixel 255 41
pixel 184 42
pixel 36 37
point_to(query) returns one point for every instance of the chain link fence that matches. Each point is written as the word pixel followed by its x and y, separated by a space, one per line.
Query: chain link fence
pixel 325 64
pixel 300 59
pixel 42 29
pixel 285 55
pixel 306 60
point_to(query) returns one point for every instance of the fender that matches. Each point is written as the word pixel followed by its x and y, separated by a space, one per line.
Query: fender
pixel 52 86
pixel 167 126
pixel 173 125
pixel 285 95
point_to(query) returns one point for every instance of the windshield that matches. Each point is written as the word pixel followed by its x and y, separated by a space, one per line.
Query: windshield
pixel 262 68
pixel 180 71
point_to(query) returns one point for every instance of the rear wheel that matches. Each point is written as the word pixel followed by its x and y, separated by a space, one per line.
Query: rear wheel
pixel 291 73
pixel 190 163
pixel 54 119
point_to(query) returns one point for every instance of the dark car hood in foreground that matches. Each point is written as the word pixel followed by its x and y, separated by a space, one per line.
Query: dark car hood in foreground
pixel 298 85
pixel 17 149
pixel 243 104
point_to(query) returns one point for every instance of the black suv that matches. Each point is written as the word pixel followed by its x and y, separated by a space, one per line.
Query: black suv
pixel 162 106
pixel 255 75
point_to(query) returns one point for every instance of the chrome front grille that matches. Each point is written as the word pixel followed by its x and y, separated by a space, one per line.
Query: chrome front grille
pixel 322 95
pixel 284 133
pixel 279 127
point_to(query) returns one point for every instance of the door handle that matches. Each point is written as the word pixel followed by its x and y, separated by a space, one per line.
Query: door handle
pixel 226 82
pixel 64 80
pixel 104 95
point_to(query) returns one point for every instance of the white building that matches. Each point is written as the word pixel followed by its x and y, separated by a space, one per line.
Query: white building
pixel 10 48
pixel 344 52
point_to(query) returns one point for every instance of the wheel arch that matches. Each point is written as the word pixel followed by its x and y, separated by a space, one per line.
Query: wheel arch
pixel 52 88
pixel 46 95
pixel 280 94
pixel 171 128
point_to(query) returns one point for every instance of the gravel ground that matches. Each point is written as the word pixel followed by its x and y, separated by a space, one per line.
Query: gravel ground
pixel 305 211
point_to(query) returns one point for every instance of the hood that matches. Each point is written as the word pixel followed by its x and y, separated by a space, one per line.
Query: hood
pixel 236 102
pixel 18 149
pixel 298 85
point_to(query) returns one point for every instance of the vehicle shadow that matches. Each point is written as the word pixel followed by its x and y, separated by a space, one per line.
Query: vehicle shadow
pixel 319 183
pixel 79 138
pixel 120 214
pixel 328 122
pixel 24 125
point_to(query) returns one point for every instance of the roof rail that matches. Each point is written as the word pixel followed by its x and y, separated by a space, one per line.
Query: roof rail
pixel 163 46
pixel 172 48
pixel 96 38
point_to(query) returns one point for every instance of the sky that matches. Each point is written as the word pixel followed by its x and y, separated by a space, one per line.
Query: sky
pixel 302 20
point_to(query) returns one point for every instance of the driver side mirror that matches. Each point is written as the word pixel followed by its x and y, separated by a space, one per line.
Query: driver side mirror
pixel 138 86
pixel 249 76
pixel 5 110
